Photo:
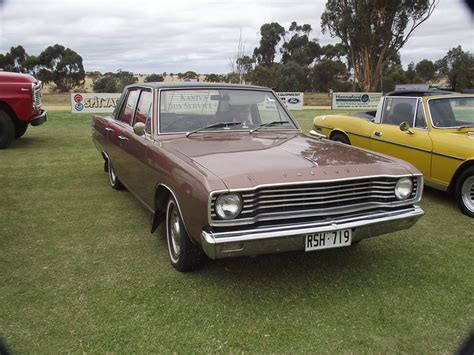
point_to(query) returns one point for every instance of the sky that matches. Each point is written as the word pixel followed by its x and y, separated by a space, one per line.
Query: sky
pixel 155 36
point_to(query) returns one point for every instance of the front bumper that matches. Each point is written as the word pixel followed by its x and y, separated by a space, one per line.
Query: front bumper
pixel 291 237
pixel 40 119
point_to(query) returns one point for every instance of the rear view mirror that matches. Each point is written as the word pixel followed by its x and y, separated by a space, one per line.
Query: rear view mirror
pixel 405 127
pixel 139 128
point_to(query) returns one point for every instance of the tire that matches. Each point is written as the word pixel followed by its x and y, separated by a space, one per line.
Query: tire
pixel 113 179
pixel 340 137
pixel 20 128
pixel 184 255
pixel 7 130
pixel 464 193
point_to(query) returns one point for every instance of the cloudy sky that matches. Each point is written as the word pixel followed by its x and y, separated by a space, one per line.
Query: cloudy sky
pixel 146 36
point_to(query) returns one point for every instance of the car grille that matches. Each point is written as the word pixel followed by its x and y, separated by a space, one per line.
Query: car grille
pixel 315 199
pixel 37 95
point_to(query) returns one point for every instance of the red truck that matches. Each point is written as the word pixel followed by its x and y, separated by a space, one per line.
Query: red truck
pixel 20 105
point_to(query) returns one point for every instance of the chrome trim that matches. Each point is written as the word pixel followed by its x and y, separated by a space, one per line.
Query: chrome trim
pixel 436 185
pixel 402 145
pixel 291 237
pixel 315 210
pixel 317 135
pixel 449 156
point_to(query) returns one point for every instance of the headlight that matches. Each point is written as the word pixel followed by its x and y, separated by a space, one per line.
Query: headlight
pixel 403 188
pixel 228 206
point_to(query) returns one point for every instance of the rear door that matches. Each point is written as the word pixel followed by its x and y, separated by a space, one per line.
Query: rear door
pixel 120 135
pixel 414 145
pixel 137 147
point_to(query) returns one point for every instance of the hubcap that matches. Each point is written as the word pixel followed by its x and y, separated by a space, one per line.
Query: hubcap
pixel 467 192
pixel 174 230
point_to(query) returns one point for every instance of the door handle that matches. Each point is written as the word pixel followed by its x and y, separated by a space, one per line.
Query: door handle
pixel 108 129
pixel 378 134
pixel 122 138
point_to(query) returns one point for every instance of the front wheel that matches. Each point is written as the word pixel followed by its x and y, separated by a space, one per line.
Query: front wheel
pixel 7 130
pixel 20 128
pixel 184 255
pixel 340 137
pixel 465 192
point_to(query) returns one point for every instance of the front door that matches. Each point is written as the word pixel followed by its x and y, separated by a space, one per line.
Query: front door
pixel 413 145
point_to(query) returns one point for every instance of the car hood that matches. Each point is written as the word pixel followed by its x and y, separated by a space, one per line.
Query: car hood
pixel 243 160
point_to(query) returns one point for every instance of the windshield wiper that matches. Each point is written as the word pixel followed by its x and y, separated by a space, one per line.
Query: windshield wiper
pixel 267 124
pixel 465 126
pixel 215 125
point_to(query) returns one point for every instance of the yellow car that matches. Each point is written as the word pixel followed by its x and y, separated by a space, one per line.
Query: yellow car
pixel 433 132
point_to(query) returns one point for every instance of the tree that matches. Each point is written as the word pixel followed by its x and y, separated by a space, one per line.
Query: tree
pixel 425 70
pixel 299 48
pixel 328 74
pixel 373 31
pixel 61 65
pixel 458 66
pixel 154 78
pixel 15 60
pixel 244 66
pixel 291 77
pixel 411 75
pixel 271 33
pixel 265 75
pixel 114 82
pixel 214 78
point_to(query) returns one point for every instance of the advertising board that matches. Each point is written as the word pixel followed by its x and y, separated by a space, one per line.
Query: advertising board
pixel 93 103
pixel 292 100
pixel 364 100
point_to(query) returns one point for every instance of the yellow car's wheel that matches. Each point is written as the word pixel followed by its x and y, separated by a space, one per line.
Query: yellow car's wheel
pixel 340 137
pixel 465 192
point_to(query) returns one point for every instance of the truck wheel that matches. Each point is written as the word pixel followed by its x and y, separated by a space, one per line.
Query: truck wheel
pixel 464 193
pixel 113 179
pixel 340 137
pixel 20 128
pixel 7 130
pixel 184 255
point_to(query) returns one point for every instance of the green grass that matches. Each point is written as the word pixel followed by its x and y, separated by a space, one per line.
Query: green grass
pixel 80 272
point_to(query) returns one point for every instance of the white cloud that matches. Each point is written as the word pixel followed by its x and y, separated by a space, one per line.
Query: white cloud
pixel 173 36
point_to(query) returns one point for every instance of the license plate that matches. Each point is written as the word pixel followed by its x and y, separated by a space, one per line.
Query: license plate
pixel 326 240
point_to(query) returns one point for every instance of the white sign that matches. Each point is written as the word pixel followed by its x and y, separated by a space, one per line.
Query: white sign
pixel 292 100
pixel 355 100
pixel 412 87
pixel 85 103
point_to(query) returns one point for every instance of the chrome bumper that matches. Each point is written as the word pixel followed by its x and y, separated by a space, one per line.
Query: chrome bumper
pixel 40 119
pixel 291 237
pixel 315 134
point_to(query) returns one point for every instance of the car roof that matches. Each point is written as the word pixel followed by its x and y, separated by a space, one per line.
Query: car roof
pixel 420 93
pixel 188 85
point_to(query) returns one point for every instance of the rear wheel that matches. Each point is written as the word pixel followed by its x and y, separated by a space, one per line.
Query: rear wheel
pixel 465 192
pixel 20 128
pixel 7 130
pixel 340 137
pixel 184 255
pixel 113 179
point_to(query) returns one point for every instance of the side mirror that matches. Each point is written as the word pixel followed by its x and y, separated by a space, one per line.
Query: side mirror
pixel 139 128
pixel 405 127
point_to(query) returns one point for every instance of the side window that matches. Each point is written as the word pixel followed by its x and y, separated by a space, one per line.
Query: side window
pixel 143 113
pixel 420 120
pixel 127 110
pixel 399 109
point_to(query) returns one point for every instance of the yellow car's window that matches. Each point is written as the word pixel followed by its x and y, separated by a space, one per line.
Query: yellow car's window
pixel 399 109
pixel 452 112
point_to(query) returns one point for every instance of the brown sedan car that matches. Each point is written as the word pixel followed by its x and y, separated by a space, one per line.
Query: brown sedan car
pixel 229 171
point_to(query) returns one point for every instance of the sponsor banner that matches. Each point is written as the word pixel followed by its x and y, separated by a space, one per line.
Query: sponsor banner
pixel 355 100
pixel 292 100
pixel 106 102
pixel 86 103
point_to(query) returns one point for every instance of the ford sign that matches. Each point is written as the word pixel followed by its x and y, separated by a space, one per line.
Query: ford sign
pixel 293 100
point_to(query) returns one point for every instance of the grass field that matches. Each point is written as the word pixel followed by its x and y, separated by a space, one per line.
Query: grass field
pixel 80 272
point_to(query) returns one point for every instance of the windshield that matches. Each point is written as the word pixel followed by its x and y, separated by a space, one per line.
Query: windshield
pixel 186 110
pixel 452 112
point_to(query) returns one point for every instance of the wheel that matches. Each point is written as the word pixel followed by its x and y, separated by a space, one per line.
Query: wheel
pixel 465 192
pixel 113 179
pixel 7 130
pixel 20 128
pixel 184 255
pixel 340 137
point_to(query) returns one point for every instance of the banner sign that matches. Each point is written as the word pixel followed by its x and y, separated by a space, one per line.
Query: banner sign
pixel 292 100
pixel 346 100
pixel 106 102
pixel 85 103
